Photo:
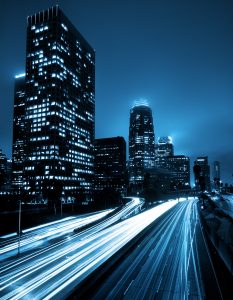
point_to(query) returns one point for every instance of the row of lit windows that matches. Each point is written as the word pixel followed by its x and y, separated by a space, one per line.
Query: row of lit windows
pixel 40 29
pixel 41 138
pixel 69 158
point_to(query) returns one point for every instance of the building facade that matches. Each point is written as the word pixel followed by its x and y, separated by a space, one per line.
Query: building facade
pixel 141 143
pixel 202 172
pixel 110 164
pixel 59 106
pixel 164 147
pixel 3 167
pixel 178 167
pixel 18 155
pixel 216 170
pixel 5 173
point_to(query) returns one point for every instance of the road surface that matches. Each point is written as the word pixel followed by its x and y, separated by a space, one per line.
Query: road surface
pixel 172 262
pixel 54 271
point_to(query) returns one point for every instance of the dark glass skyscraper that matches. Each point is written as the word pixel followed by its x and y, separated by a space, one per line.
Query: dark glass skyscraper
pixel 216 170
pixel 60 105
pixel 18 153
pixel 141 142
pixel 203 176
pixel 110 164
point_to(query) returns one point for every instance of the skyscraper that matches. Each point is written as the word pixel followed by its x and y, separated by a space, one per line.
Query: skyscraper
pixel 202 177
pixel 141 143
pixel 18 155
pixel 216 170
pixel 110 164
pixel 60 105
pixel 179 167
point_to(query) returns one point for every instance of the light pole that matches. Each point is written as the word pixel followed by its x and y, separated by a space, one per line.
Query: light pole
pixel 61 207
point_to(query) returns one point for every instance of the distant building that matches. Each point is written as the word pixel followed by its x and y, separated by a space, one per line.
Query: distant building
pixel 5 173
pixel 3 166
pixel 141 143
pixel 18 153
pixel 216 170
pixel 203 171
pixel 110 164
pixel 59 107
pixel 164 147
pixel 179 169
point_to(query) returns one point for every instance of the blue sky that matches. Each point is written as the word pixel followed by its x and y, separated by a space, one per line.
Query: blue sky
pixel 176 54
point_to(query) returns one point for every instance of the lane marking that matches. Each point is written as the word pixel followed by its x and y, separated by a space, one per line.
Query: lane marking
pixel 128 287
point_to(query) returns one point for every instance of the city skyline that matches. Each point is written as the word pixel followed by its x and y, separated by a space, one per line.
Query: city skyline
pixel 194 64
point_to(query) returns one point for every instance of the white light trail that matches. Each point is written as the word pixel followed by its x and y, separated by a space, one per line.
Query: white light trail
pixel 52 272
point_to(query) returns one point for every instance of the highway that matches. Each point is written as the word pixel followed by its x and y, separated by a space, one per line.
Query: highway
pixel 166 265
pixel 53 272
pixel 33 237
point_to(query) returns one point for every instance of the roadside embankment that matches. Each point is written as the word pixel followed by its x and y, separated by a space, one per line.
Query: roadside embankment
pixel 219 227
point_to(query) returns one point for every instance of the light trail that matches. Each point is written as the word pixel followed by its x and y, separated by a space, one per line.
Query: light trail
pixel 45 231
pixel 166 266
pixel 53 273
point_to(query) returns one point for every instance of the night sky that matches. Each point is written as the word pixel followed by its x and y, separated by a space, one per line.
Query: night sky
pixel 176 54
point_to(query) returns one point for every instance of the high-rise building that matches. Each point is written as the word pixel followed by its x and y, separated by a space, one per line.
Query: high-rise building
pixel 59 106
pixel 18 155
pixel 178 167
pixel 216 170
pixel 110 164
pixel 141 143
pixel 202 176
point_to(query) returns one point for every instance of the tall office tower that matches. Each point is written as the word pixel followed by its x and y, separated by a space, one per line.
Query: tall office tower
pixel 203 171
pixel 141 143
pixel 18 156
pixel 60 106
pixel 110 164
pixel 216 170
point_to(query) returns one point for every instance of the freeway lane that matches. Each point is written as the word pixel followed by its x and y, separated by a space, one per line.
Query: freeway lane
pixel 36 237
pixel 53 273
pixel 165 265
pixel 32 237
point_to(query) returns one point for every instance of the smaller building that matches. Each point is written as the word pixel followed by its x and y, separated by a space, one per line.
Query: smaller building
pixel 110 164
pixel 179 169
pixel 216 170
pixel 202 172
pixel 5 172
pixel 164 147
pixel 179 166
